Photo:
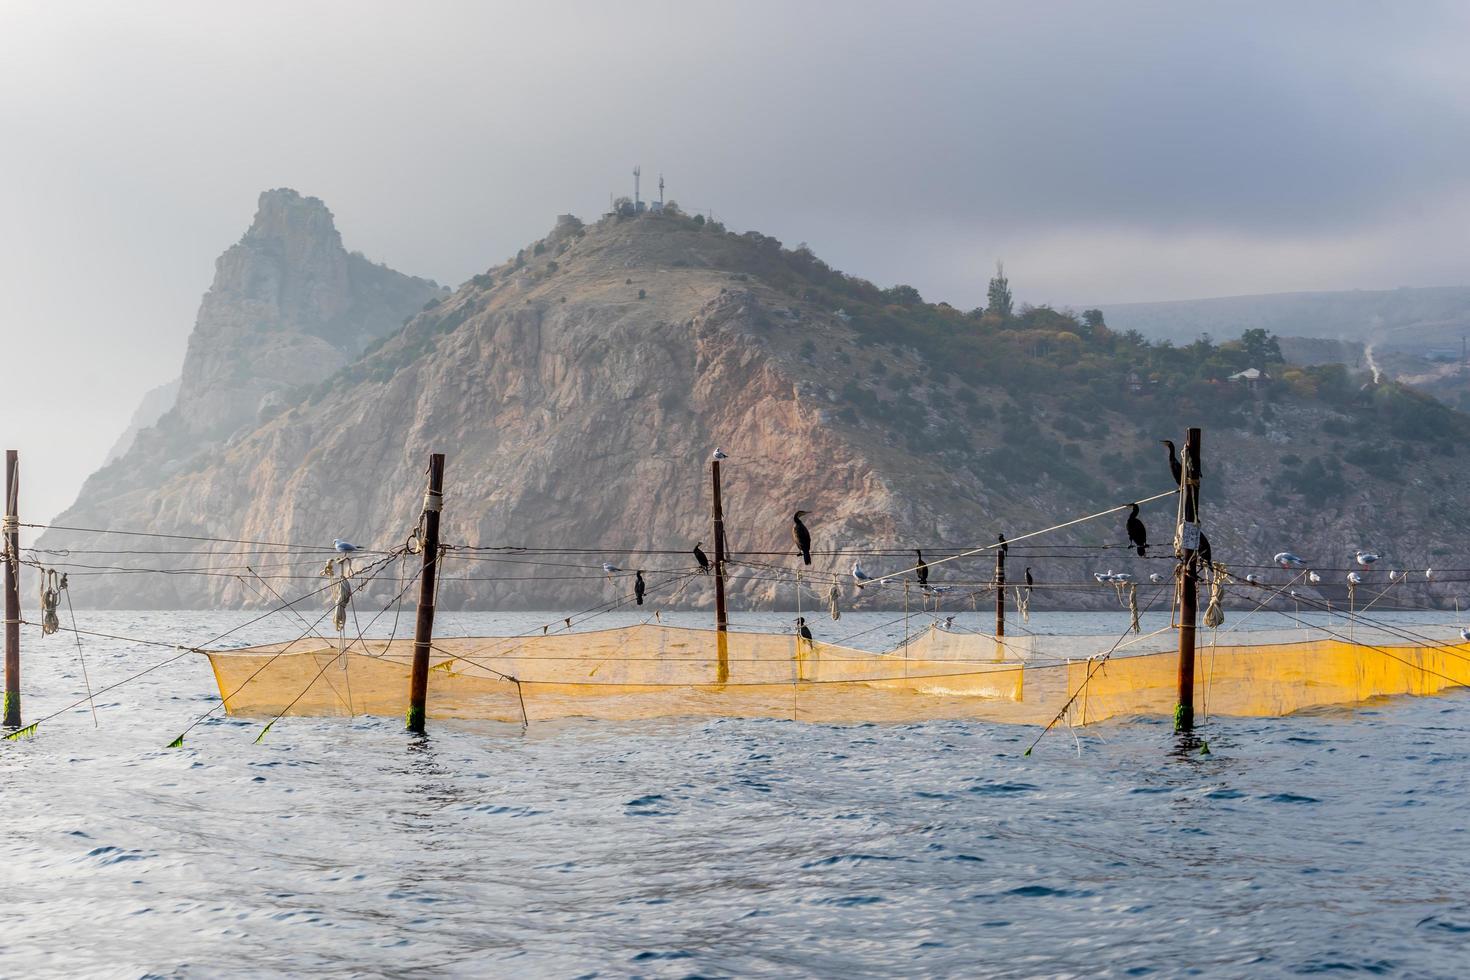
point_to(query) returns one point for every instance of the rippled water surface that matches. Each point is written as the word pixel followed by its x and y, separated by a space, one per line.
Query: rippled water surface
pixel 1330 843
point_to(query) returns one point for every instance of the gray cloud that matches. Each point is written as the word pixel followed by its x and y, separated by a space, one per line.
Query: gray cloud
pixel 1110 150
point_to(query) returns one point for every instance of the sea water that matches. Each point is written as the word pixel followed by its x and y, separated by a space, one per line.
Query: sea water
pixel 1334 842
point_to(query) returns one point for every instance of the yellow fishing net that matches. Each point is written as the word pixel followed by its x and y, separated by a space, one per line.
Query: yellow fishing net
pixel 660 671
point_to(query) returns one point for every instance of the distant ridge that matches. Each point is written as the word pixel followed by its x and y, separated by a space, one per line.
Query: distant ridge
pixel 1409 317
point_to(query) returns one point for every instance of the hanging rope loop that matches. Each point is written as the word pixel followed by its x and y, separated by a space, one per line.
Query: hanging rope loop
pixel 51 585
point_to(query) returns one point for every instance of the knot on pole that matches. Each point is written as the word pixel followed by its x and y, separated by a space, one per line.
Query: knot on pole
pixel 51 585
pixel 433 501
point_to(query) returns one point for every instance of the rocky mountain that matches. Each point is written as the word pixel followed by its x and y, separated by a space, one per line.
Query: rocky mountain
pixel 288 306
pixel 578 389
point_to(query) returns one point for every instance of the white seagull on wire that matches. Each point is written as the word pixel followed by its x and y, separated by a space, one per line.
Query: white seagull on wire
pixel 1355 578
pixel 1429 573
pixel 1395 576
pixel 1288 560
pixel 1122 577
pixel 344 547
pixel 718 454
pixel 1314 578
pixel 610 568
pixel 861 577
pixel 1253 579
pixel 1156 578
pixel 1365 558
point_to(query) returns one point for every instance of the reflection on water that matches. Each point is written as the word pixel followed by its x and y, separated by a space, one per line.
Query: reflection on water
pixel 1327 842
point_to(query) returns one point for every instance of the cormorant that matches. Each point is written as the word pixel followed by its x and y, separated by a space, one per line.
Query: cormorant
pixel 1175 467
pixel 1137 533
pixel 921 570
pixel 610 568
pixel 801 629
pixel 639 587
pixel 861 577
pixel 1029 582
pixel 802 537
pixel 1366 558
pixel 701 557
pixel 1005 549
pixel 717 454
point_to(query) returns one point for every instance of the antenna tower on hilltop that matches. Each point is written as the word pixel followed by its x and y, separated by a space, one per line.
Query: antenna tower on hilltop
pixel 660 192
pixel 637 172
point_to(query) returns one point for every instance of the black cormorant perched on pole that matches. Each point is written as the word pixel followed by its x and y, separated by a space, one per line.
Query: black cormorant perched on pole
pixel 701 557
pixel 1029 582
pixel 639 587
pixel 1174 465
pixel 1137 533
pixel 801 629
pixel 801 536
pixel 1005 549
pixel 921 570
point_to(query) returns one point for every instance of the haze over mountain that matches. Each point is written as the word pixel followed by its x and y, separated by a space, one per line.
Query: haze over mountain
pixel 578 388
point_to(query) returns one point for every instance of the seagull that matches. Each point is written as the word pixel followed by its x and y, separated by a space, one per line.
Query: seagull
pixel 1122 577
pixel 1429 573
pixel 1366 558
pixel 948 623
pixel 861 577
pixel 1288 560
pixel 1156 578
pixel 801 629
pixel 701 557
pixel 921 570
pixel 1314 578
pixel 802 537
pixel 1465 635
pixel 1253 579
pixel 1137 533
pixel 639 586
pixel 344 547
pixel 938 589
pixel 610 568
pixel 718 455
pixel 1174 467
pixel 1105 577
pixel 1354 578
pixel 1395 576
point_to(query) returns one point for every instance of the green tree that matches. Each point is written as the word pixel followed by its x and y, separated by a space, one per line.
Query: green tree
pixel 1261 348
pixel 998 298
pixel 1093 320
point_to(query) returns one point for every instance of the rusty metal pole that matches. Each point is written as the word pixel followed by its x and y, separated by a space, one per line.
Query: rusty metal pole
pixel 722 622
pixel 423 630
pixel 1188 582
pixel 12 589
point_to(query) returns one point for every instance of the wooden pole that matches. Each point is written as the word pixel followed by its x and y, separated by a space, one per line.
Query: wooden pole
pixel 722 622
pixel 1189 582
pixel 1000 591
pixel 12 589
pixel 423 630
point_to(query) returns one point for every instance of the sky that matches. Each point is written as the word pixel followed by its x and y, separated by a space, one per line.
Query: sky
pixel 1107 151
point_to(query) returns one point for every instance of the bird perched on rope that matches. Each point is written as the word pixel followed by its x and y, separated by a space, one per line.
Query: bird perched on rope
pixel 1253 579
pixel 859 576
pixel 1429 573
pixel 1174 466
pixel 1365 558
pixel 802 537
pixel 639 586
pixel 1105 577
pixel 1465 635
pixel 1156 578
pixel 344 547
pixel 610 569
pixel 1288 560
pixel 701 557
pixel 1314 578
pixel 718 455
pixel 1395 576
pixel 1030 582
pixel 801 629
pixel 921 570
pixel 1137 533
pixel 1005 549
pixel 948 624
pixel 1354 578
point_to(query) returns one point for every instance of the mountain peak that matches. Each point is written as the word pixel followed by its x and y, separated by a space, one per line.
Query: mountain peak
pixel 285 214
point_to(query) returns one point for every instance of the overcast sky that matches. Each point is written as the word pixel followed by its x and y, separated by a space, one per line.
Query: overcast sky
pixel 1107 151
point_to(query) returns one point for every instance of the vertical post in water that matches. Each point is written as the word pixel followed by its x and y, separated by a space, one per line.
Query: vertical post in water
pixel 423 630
pixel 1000 591
pixel 721 620
pixel 12 589
pixel 1189 581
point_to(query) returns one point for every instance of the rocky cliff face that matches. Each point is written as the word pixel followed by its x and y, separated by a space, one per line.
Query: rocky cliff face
pixel 289 306
pixel 577 393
